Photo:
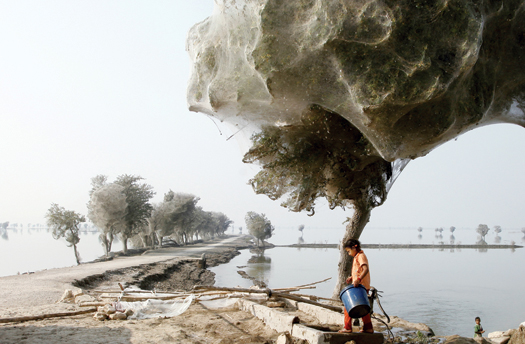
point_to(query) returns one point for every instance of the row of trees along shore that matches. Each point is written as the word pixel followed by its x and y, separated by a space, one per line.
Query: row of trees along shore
pixel 122 209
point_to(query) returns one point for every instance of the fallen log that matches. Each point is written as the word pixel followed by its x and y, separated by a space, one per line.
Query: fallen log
pixel 317 297
pixel 92 304
pixel 270 292
pixel 45 316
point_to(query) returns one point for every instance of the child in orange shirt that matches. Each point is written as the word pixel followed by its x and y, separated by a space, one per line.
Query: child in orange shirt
pixel 360 275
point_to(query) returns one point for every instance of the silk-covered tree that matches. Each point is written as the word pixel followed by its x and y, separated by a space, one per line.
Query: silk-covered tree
pixel 259 226
pixel 107 208
pixel 482 230
pixel 325 157
pixel 65 224
pixel 138 208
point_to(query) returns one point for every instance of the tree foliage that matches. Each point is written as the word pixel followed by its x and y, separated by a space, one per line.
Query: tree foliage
pixel 107 208
pixel 324 157
pixel 138 208
pixel 259 226
pixel 65 224
pixel 123 209
pixel 482 230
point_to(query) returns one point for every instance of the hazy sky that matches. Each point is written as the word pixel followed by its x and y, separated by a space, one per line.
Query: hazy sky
pixel 99 87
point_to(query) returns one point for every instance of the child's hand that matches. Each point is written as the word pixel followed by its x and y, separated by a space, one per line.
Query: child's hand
pixel 349 280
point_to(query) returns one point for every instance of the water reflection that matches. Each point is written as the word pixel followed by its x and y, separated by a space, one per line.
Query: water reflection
pixel 497 239
pixel 300 240
pixel 259 267
pixel 452 239
pixel 481 241
pixel 4 234
pixel 419 236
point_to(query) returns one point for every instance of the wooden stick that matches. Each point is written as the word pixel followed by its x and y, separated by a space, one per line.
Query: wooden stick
pixel 309 284
pixel 270 292
pixel 318 297
pixel 92 304
pixel 294 288
pixel 45 316
pixel 133 291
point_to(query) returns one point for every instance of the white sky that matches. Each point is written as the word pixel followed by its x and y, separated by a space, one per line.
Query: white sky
pixel 99 87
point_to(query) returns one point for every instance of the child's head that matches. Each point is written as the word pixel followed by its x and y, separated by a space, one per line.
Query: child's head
pixel 478 320
pixel 352 246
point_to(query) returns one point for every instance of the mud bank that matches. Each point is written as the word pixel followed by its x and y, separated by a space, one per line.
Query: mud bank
pixel 171 275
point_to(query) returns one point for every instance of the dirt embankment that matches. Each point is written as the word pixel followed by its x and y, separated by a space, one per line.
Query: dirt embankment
pixel 171 275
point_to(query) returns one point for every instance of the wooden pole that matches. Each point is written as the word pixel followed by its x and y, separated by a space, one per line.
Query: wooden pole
pixel 269 292
pixel 45 316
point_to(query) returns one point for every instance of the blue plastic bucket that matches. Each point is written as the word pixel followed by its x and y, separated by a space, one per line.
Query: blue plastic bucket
pixel 355 300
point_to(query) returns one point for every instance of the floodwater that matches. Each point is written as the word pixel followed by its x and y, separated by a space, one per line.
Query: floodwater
pixel 445 289
pixel 28 250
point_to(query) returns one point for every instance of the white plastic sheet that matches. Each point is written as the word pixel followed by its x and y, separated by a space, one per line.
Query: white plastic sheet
pixel 156 308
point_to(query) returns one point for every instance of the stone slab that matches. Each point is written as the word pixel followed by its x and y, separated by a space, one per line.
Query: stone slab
pixel 276 320
pixel 314 336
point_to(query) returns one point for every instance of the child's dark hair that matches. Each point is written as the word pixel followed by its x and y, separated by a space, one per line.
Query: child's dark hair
pixel 353 243
pixel 477 318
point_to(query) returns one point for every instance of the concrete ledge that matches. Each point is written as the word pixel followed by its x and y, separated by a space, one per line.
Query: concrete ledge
pixel 314 336
pixel 323 315
pixel 276 320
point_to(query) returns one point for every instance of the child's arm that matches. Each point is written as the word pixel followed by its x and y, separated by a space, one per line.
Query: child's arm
pixel 362 275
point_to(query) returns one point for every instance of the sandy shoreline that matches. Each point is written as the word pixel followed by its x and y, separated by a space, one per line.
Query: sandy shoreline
pixel 174 268
pixel 47 286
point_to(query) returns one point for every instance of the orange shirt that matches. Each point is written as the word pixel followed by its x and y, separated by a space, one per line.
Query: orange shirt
pixel 357 269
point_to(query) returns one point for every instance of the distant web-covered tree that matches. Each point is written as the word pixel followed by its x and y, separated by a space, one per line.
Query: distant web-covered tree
pixel 482 230
pixel 497 229
pixel 420 229
pixel 222 222
pixel 452 229
pixel 300 229
pixel 65 224
pixel 184 215
pixel 106 209
pixel 138 208
pixel 259 226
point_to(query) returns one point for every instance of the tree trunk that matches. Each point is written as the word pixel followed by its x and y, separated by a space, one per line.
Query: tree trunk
pixel 144 239
pixel 77 256
pixel 159 239
pixel 354 229
pixel 124 245
pixel 110 242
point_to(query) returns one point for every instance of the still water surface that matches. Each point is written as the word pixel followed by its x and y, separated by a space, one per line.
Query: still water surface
pixel 35 249
pixel 445 289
